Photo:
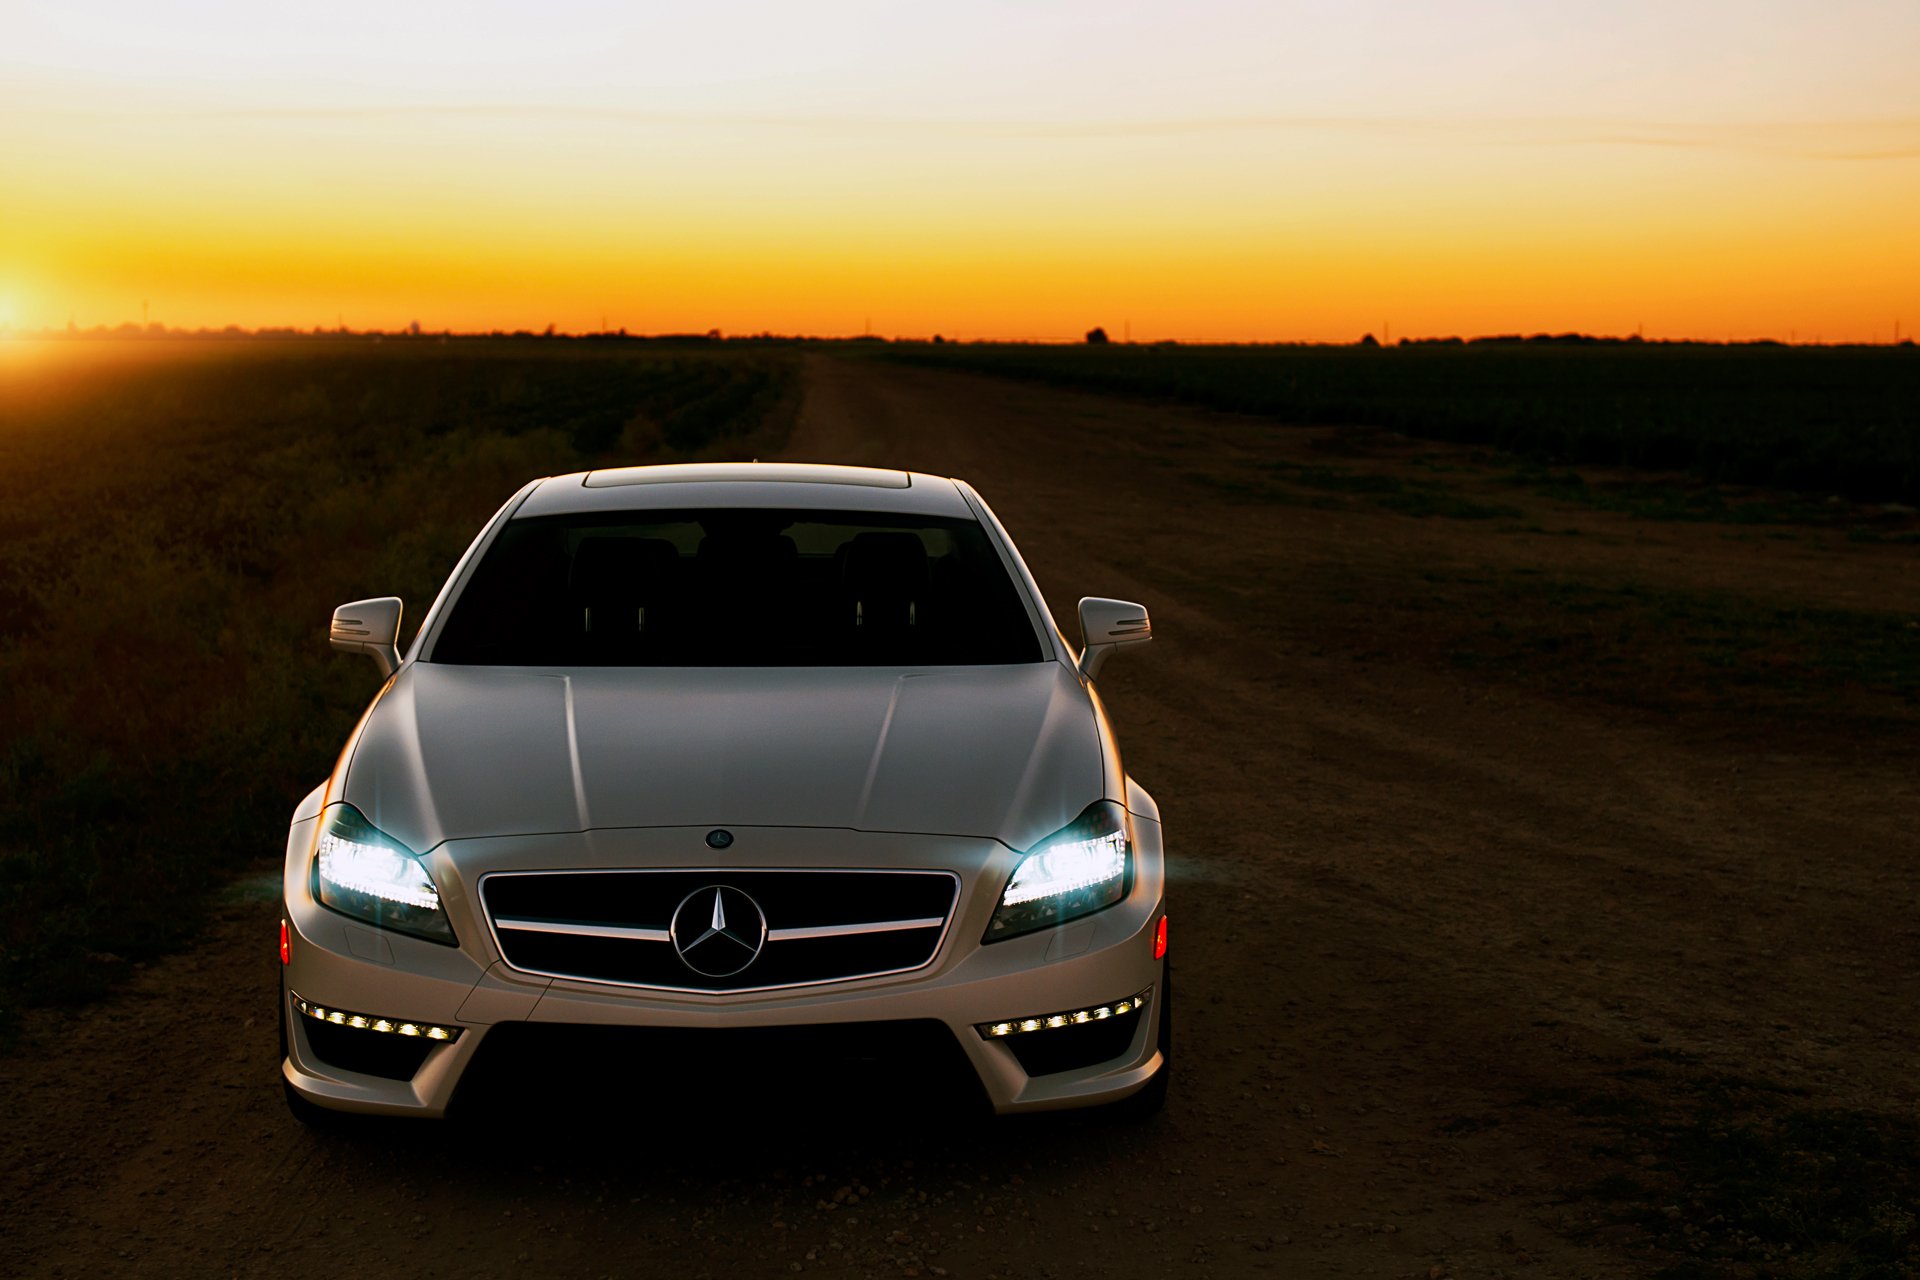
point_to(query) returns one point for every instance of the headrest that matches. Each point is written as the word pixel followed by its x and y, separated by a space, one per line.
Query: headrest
pixel 736 549
pixel 620 566
pixel 885 566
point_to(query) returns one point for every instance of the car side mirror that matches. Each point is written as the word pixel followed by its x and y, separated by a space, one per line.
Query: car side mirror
pixel 1108 625
pixel 371 627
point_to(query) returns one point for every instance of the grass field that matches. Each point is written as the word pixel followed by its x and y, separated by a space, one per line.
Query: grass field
pixel 1842 420
pixel 182 518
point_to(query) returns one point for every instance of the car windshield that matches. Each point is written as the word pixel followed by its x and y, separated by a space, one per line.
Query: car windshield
pixel 739 587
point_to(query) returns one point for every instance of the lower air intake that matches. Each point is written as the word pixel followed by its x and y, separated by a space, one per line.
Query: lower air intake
pixel 678 1077
pixel 367 1052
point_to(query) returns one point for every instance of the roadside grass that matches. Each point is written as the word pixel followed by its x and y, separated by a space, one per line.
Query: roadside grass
pixel 1598 634
pixel 1771 513
pixel 1898 537
pixel 182 519
pixel 1664 648
pixel 1839 420
pixel 1658 499
pixel 1737 1177
pixel 1420 498
pixel 1282 481
pixel 1612 638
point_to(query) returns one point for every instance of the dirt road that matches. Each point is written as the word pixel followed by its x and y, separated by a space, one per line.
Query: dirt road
pixel 1441 937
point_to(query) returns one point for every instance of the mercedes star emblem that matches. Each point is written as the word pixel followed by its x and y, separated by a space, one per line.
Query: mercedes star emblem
pixel 718 931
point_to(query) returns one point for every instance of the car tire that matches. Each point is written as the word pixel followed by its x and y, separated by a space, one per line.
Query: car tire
pixel 1152 1099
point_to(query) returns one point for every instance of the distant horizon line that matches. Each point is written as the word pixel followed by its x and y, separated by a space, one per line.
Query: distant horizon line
pixel 157 331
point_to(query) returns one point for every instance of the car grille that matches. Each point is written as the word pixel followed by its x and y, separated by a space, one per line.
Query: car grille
pixel 663 929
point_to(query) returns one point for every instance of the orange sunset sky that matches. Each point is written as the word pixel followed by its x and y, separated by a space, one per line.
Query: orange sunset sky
pixel 1229 171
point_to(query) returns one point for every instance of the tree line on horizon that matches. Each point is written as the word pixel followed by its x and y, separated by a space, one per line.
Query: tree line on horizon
pixel 1096 336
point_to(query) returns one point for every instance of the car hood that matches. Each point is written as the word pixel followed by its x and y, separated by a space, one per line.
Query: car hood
pixel 1010 752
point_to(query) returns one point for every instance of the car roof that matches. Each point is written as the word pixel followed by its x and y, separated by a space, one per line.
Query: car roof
pixel 806 486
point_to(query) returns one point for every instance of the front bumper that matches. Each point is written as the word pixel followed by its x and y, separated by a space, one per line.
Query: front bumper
pixel 470 991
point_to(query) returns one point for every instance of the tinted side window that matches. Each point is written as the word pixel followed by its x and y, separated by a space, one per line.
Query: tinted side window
pixel 739 587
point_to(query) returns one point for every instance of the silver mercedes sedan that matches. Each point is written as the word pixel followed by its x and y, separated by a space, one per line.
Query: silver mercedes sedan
pixel 777 777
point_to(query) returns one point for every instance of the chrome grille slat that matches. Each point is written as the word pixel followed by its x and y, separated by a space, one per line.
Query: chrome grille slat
pixel 849 930
pixel 580 930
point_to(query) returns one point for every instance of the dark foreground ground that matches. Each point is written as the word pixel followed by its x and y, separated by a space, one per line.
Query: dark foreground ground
pixel 1543 907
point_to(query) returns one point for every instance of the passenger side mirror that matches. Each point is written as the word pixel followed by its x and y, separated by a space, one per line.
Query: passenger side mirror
pixel 1108 625
pixel 371 627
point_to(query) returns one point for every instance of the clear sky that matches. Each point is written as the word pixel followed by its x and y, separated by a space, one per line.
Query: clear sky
pixel 1212 170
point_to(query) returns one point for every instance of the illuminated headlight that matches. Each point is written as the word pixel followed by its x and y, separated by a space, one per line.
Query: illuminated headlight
pixel 368 1022
pixel 1069 1018
pixel 362 872
pixel 1077 870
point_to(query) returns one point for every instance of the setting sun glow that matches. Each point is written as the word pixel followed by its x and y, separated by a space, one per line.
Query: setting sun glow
pixel 1223 171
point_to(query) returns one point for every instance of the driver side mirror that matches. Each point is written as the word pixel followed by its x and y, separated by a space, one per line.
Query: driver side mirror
pixel 371 627
pixel 1108 625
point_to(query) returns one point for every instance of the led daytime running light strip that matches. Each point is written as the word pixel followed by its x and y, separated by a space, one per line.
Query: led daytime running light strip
pixel 1055 1021
pixel 366 1022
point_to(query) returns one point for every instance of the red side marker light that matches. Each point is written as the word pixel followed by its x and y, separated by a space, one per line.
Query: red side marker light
pixel 1159 939
pixel 286 942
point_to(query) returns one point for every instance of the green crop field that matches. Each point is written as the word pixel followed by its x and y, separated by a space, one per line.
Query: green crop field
pixel 181 519
pixel 1843 420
